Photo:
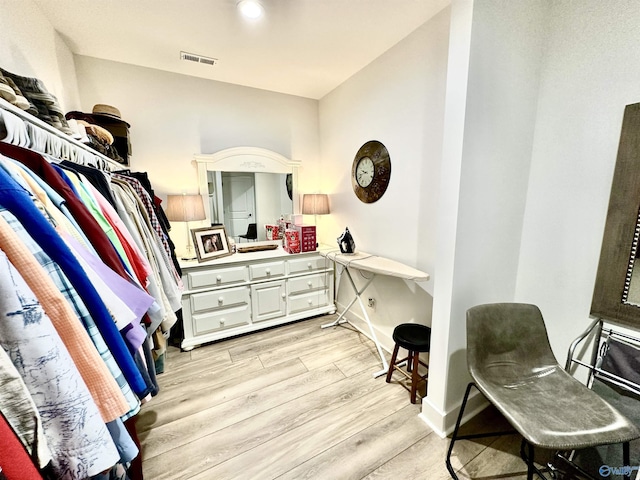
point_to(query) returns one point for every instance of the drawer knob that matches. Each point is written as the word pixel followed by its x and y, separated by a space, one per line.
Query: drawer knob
pixel 284 296
pixel 310 302
pixel 220 300
pixel 310 283
pixel 268 271
pixel 219 278
pixel 222 322
pixel 309 265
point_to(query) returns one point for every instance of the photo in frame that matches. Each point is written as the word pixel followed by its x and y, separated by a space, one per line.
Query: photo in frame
pixel 210 242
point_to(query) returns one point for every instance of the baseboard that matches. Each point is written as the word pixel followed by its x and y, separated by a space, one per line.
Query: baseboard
pixel 443 423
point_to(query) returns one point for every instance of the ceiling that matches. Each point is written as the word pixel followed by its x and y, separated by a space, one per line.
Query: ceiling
pixel 300 47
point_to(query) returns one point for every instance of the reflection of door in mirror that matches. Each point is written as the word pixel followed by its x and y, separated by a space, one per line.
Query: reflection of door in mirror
pixel 238 196
pixel 247 197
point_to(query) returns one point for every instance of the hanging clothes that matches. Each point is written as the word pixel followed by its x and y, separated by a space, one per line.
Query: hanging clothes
pixel 15 464
pixel 80 443
pixel 18 202
pixel 102 385
pixel 89 288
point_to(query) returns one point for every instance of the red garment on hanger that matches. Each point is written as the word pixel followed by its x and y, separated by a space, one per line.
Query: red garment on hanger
pixel 14 459
pixel 81 214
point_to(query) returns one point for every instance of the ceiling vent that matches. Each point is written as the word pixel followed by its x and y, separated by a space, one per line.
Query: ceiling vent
pixel 192 57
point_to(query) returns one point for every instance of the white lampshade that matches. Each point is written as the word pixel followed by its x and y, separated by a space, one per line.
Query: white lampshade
pixel 185 208
pixel 315 204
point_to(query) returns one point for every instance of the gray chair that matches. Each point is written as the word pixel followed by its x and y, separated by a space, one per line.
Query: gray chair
pixel 511 363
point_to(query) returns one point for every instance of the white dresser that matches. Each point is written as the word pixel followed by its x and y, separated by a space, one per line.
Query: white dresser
pixel 246 292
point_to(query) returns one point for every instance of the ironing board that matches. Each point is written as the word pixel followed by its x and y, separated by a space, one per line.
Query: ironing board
pixel 375 265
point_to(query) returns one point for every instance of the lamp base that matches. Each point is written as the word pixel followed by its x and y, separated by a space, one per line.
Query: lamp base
pixel 188 258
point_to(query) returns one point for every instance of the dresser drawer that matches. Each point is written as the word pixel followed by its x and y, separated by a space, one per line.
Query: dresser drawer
pixel 306 265
pixel 308 283
pixel 265 271
pixel 219 299
pixel 217 277
pixel 218 320
pixel 300 303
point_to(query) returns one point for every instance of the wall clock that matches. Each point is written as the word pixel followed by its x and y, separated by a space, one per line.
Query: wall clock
pixel 371 171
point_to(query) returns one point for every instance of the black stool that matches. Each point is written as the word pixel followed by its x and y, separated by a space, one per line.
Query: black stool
pixel 415 338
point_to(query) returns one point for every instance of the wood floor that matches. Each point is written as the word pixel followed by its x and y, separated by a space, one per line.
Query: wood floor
pixel 299 402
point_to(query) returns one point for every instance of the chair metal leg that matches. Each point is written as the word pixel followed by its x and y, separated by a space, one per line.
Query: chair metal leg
pixel 455 432
pixel 530 466
pixel 529 459
pixel 626 454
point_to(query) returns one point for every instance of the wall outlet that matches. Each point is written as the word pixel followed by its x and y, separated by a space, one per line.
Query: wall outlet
pixel 372 303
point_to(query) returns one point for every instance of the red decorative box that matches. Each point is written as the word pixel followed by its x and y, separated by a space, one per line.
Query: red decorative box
pixel 272 231
pixel 291 241
pixel 307 235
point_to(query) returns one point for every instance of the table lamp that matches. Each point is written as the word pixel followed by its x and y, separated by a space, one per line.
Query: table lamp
pixel 185 208
pixel 315 204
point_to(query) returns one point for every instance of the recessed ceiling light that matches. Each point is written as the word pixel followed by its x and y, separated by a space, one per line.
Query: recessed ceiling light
pixel 250 8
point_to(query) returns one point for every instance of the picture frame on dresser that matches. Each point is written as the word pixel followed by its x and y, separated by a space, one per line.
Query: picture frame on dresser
pixel 210 243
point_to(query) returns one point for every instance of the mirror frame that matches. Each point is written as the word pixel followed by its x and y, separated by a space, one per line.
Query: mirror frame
pixel 613 276
pixel 245 159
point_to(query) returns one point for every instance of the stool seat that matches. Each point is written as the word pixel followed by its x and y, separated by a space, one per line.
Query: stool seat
pixel 416 339
pixel 413 337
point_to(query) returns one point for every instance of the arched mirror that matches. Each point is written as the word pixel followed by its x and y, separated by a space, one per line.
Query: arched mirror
pixel 616 296
pixel 246 185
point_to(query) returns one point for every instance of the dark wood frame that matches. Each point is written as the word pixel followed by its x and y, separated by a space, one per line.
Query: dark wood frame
pixel 379 155
pixel 620 227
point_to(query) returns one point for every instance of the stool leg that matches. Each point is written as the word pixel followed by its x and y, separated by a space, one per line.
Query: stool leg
pixel 409 363
pixel 415 377
pixel 392 363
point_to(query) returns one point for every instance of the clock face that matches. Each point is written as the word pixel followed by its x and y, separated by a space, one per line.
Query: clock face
pixel 371 171
pixel 364 172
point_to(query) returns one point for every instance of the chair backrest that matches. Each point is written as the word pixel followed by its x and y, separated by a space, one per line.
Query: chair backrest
pixel 252 231
pixel 507 342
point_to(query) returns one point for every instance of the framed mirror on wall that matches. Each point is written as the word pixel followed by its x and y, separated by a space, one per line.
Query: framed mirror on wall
pixel 246 185
pixel 616 295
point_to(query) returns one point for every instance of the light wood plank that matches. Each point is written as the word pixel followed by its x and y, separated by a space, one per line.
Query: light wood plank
pixel 240 407
pixel 274 340
pixel 211 450
pixel 277 456
pixel 307 346
pixel 194 373
pixel 424 460
pixel 366 450
pixel 335 352
pixel 233 383
pixel 365 360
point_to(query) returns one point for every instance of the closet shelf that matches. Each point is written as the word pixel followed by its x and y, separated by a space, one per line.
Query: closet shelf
pixel 27 117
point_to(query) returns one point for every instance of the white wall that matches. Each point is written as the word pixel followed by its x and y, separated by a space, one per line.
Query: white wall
pixel 30 47
pixel 547 86
pixel 398 100
pixel 590 72
pixel 174 116
pixel 488 147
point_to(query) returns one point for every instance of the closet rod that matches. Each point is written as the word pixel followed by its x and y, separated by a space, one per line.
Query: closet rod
pixel 5 105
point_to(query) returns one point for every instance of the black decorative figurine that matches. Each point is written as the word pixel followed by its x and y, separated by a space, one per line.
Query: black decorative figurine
pixel 346 243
